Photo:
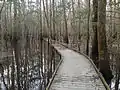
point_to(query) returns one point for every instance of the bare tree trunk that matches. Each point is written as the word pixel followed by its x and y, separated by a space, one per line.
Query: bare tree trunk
pixel 45 13
pixel 66 40
pixel 41 44
pixel 51 32
pixel 16 47
pixel 13 75
pixel 53 8
pixel 88 35
pixel 102 45
pixel 26 63
pixel 6 45
pixel 111 18
pixel 13 62
pixel 94 53
pixel 73 22
pixel 79 27
pixel 114 25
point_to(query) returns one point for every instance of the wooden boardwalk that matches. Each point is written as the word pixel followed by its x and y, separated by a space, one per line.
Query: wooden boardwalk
pixel 75 73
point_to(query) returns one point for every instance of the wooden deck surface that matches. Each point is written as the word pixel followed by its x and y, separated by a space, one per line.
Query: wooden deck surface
pixel 75 73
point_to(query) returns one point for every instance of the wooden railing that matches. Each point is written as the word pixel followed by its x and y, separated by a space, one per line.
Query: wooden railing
pixel 53 62
pixel 91 61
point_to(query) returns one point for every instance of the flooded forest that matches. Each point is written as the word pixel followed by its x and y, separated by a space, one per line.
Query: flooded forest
pixel 29 28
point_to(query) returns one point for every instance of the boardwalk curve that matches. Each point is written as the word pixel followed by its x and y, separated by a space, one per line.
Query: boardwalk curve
pixel 75 73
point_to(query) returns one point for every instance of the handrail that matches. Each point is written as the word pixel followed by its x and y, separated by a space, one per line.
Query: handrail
pixel 61 59
pixel 91 61
pixel 53 76
pixel 101 77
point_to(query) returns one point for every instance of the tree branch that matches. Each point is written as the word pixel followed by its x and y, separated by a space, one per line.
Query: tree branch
pixel 2 6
